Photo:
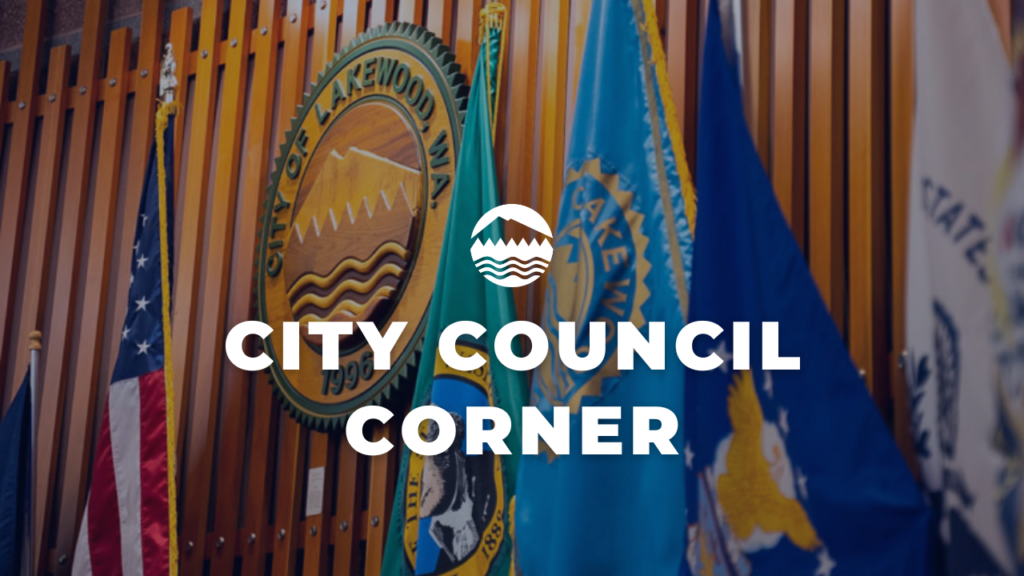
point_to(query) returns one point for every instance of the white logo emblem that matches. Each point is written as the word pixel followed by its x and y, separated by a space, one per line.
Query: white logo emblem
pixel 515 263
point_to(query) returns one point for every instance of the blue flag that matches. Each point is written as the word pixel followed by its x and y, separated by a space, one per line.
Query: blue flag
pixel 790 471
pixel 622 250
pixel 16 480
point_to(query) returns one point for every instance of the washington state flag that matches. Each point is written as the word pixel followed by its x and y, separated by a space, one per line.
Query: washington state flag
pixel 451 511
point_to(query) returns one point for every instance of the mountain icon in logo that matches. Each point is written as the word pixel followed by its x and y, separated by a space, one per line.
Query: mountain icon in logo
pixel 516 262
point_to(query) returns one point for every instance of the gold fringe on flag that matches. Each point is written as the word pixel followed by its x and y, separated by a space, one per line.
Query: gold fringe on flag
pixel 671 119
pixel 164 111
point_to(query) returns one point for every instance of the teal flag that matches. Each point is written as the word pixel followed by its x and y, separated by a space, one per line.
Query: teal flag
pixel 451 511
pixel 621 255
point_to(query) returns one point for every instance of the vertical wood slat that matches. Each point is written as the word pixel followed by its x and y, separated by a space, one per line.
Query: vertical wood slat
pixel 682 47
pixel 382 484
pixel 789 144
pixel 325 34
pixel 190 257
pixel 353 20
pixel 259 477
pixel 580 19
pixel 293 438
pixel 144 105
pixel 867 234
pixel 259 149
pixel 44 206
pixel 97 275
pixel 901 118
pixel 552 123
pixel 16 189
pixel 381 12
pixel 56 351
pixel 827 78
pixel 523 38
pixel 321 449
pixel 5 78
pixel 467 35
pixel 289 492
pixel 757 22
pixel 37 268
pixel 553 64
pixel 180 38
pixel 349 498
pixel 202 423
pixel 439 19
pixel 410 11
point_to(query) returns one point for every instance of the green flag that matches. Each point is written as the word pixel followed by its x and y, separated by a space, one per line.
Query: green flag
pixel 451 511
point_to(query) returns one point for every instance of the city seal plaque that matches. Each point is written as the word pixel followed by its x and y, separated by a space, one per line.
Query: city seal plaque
pixel 355 215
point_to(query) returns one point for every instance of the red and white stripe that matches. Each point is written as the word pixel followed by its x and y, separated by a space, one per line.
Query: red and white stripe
pixel 125 526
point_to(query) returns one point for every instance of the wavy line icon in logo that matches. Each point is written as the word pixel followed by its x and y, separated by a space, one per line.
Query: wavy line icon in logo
pixel 516 262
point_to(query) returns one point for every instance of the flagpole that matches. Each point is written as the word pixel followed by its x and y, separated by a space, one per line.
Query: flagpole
pixel 168 83
pixel 35 344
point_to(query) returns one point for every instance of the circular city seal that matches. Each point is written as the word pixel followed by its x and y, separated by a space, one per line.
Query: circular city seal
pixel 355 215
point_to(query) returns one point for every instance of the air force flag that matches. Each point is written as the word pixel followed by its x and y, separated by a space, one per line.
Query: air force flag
pixel 789 471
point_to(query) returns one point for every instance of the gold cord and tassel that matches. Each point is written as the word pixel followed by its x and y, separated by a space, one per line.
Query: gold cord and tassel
pixel 163 113
pixel 671 118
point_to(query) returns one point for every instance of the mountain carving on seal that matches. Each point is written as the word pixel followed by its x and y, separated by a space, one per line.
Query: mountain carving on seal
pixel 360 205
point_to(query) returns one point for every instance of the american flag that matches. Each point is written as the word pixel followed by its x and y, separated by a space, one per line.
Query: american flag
pixel 128 525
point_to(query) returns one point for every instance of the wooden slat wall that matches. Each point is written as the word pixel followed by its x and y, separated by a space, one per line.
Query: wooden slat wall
pixel 40 242
pixel 64 299
pixel 210 352
pixel 826 156
pixel 292 445
pixel 259 149
pixel 85 367
pixel 757 71
pixel 829 97
pixel 867 236
pixel 789 124
pixel 16 189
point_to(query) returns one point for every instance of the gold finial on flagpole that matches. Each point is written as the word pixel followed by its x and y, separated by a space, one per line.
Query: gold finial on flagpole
pixel 492 17
pixel 168 80
pixel 35 340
